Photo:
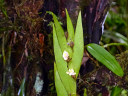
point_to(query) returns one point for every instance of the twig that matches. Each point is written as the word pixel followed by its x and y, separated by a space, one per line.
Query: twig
pixel 21 56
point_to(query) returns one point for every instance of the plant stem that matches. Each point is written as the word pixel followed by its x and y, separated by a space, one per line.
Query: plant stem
pixel 115 44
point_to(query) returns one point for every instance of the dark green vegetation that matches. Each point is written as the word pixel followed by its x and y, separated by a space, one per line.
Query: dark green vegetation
pixel 26 49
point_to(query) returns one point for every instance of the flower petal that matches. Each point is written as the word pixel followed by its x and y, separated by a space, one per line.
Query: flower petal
pixel 65 55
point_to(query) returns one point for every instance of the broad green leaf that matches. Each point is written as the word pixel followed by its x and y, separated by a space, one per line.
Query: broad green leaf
pixel 61 91
pixel 60 35
pixel 78 48
pixel 105 58
pixel 68 82
pixel 21 91
pixel 116 91
pixel 69 28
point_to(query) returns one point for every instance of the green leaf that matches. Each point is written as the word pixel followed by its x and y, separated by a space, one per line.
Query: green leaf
pixel 2 7
pixel 69 28
pixel 61 65
pixel 61 91
pixel 85 92
pixel 116 91
pixel 78 48
pixel 61 36
pixel 124 92
pixel 21 91
pixel 105 58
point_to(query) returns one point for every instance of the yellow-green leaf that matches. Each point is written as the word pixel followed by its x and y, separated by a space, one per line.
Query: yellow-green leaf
pixel 61 91
pixel 61 36
pixel 70 28
pixel 78 48
pixel 61 65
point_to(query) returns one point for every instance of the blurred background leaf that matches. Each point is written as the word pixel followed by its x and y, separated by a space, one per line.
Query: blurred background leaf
pixel 21 91
pixel 117 37
pixel 116 91
pixel 2 7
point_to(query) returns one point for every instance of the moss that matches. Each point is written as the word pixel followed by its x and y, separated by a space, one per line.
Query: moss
pixel 123 60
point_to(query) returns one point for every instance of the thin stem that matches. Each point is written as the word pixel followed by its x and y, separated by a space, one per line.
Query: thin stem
pixel 3 52
pixel 115 44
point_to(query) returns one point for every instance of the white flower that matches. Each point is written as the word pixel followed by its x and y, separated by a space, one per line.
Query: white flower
pixel 65 55
pixel 71 72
